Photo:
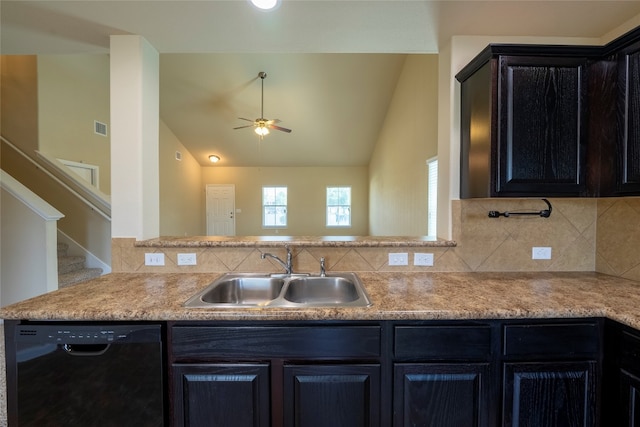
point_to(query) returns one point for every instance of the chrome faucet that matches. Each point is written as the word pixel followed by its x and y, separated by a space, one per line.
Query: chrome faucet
pixel 288 266
pixel 323 272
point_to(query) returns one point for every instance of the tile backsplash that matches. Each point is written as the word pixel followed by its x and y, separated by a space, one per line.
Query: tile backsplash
pixel 584 235
pixel 505 244
pixel 618 237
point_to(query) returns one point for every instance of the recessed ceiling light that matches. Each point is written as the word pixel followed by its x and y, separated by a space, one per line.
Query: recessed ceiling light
pixel 214 159
pixel 265 4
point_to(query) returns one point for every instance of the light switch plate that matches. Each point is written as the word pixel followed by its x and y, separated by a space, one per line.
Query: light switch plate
pixel 399 259
pixel 541 252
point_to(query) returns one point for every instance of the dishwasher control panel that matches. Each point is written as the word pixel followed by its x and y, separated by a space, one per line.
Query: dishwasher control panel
pixel 87 334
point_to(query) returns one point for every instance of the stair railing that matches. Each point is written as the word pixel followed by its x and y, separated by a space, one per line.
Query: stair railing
pixel 56 173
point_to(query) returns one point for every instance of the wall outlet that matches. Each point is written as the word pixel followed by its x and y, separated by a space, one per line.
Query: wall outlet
pixel 154 259
pixel 541 252
pixel 423 259
pixel 399 259
pixel 186 259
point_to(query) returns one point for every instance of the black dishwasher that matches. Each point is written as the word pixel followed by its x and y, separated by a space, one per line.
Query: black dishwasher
pixel 85 375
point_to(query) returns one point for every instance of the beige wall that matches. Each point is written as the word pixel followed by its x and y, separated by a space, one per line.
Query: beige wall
pixel 73 91
pixel 409 136
pixel 20 126
pixel 19 101
pixel 181 208
pixel 306 197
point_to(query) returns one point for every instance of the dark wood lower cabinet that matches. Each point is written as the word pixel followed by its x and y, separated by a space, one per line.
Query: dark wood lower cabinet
pixel 443 395
pixel 544 373
pixel 332 395
pixel 221 395
pixel 550 394
pixel 630 399
pixel 621 397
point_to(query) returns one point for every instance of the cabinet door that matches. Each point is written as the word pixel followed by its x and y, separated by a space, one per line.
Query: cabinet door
pixel 221 395
pixel 629 399
pixel 443 395
pixel 550 394
pixel 628 167
pixel 541 126
pixel 331 395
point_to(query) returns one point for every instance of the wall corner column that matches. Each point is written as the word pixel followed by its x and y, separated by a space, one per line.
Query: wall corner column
pixel 134 75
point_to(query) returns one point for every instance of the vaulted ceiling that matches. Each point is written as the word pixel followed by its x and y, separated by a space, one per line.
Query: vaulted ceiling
pixel 331 66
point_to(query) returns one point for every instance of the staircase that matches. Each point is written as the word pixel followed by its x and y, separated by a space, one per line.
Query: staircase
pixel 71 269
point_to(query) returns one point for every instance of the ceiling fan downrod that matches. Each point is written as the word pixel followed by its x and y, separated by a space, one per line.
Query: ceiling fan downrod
pixel 262 75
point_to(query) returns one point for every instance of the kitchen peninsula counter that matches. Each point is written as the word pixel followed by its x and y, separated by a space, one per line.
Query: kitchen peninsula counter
pixel 395 296
pixel 295 241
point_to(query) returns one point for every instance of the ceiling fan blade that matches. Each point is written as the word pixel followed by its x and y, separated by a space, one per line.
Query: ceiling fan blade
pixel 242 118
pixel 242 127
pixel 279 128
pixel 272 121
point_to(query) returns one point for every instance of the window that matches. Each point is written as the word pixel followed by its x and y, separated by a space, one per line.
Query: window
pixel 432 197
pixel 274 206
pixel 338 206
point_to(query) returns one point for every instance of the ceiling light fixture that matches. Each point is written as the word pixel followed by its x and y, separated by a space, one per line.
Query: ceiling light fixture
pixel 265 4
pixel 214 159
pixel 262 130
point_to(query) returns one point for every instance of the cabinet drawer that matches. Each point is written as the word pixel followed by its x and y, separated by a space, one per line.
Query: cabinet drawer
pixel 438 342
pixel 267 342
pixel 558 340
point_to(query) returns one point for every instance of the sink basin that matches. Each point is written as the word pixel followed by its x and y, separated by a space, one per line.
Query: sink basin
pixel 238 290
pixel 318 290
pixel 244 290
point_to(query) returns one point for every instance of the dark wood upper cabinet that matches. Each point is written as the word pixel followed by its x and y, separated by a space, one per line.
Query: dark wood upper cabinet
pixel 524 122
pixel 628 62
pixel 539 120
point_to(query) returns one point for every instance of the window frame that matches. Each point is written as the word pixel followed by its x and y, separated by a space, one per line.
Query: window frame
pixel 275 205
pixel 328 206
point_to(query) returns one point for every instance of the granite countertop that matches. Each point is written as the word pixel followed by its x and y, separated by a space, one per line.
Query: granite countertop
pixel 395 296
pixel 279 241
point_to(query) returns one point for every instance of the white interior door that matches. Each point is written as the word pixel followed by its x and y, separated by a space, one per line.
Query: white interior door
pixel 221 209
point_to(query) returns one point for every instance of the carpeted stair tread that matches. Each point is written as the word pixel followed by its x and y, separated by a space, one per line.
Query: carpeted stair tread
pixel 71 268
pixel 78 276
pixel 69 263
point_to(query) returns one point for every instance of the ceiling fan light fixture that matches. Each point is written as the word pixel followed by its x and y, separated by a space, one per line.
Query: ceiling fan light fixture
pixel 214 159
pixel 265 4
pixel 262 130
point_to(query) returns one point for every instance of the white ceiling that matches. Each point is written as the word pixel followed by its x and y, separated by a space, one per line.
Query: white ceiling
pixel 211 53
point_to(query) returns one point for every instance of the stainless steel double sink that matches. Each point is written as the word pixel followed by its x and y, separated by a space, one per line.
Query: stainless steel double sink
pixel 237 290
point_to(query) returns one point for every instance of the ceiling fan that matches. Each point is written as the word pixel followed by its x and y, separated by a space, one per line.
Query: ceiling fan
pixel 261 124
